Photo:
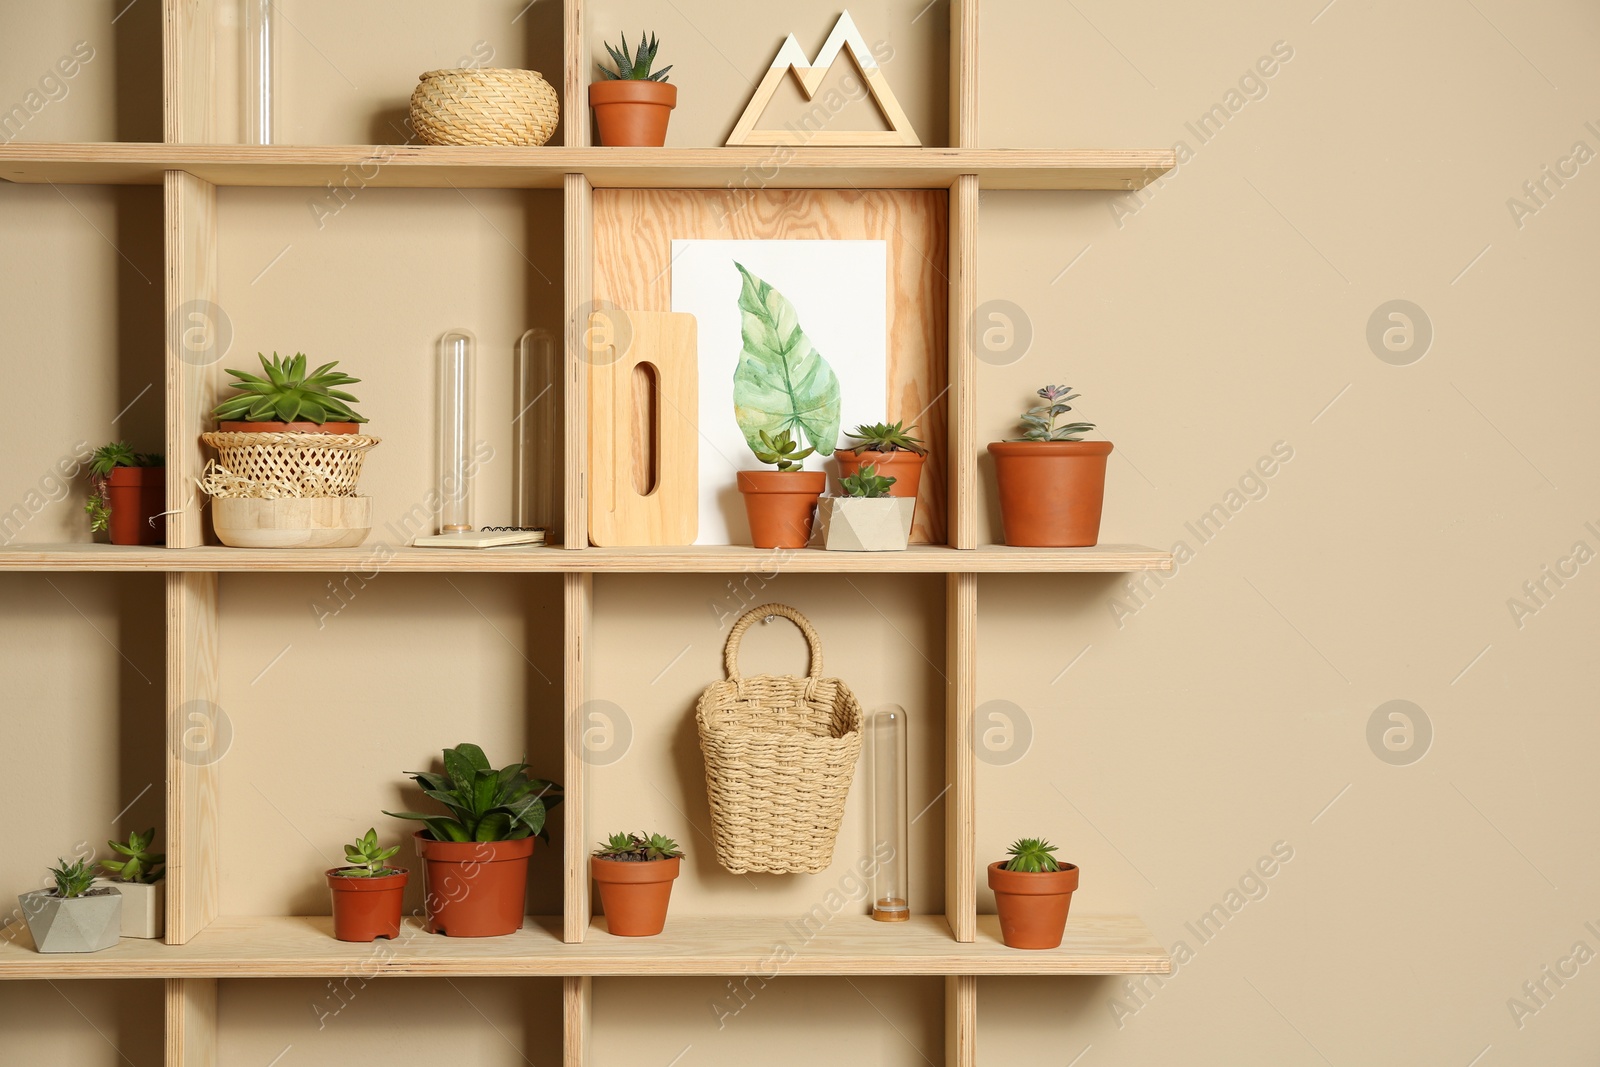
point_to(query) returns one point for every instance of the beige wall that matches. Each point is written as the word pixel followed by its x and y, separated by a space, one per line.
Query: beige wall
pixel 1178 732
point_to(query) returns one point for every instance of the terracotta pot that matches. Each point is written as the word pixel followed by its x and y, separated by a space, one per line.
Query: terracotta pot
pixel 781 505
pixel 903 466
pixel 1032 907
pixel 632 112
pixel 135 496
pixel 365 909
pixel 634 893
pixel 290 427
pixel 474 888
pixel 1051 492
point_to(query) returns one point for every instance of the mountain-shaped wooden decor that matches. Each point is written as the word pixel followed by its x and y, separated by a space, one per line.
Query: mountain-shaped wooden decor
pixel 792 58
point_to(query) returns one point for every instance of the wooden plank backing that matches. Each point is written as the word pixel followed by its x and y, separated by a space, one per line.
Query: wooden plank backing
pixel 191 1022
pixel 579 286
pixel 961 1020
pixel 198 736
pixel 578 601
pixel 960 812
pixel 634 230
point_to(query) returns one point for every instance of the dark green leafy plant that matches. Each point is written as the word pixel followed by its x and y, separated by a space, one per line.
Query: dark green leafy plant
pixel 289 394
pixel 484 804
pixel 1032 855
pixel 1039 424
pixel 102 462
pixel 366 859
pixel 886 437
pixel 638 67
pixel 140 864
pixel 782 451
pixel 72 879
pixel 867 483
pixel 639 847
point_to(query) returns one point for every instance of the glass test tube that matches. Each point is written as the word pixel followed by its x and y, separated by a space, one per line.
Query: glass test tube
pixel 536 494
pixel 260 71
pixel 890 834
pixel 457 355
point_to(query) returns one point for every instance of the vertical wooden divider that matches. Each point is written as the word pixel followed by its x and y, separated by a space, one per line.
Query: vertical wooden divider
pixel 577 1026
pixel 579 277
pixel 575 77
pixel 579 614
pixel 191 1022
pixel 964 73
pixel 961 1020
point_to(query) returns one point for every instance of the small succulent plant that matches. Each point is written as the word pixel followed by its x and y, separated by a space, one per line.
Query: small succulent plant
pixel 887 437
pixel 365 859
pixel 1032 855
pixel 72 879
pixel 1039 423
pixel 102 462
pixel 783 451
pixel 636 68
pixel 639 847
pixel 289 394
pixel 140 864
pixel 866 483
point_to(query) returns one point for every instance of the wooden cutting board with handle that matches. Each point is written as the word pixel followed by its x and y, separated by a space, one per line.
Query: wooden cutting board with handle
pixel 644 447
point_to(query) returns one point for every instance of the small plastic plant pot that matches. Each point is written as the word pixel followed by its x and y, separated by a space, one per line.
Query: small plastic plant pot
pixel 365 909
pixel 634 893
pixel 474 888
pixel 1033 906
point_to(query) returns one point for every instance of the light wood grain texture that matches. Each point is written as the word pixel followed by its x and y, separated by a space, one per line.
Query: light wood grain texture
pixel 634 231
pixel 191 1022
pixel 293 522
pixel 578 611
pixel 579 289
pixel 577 995
pixel 303 946
pixel 696 559
pixel 475 167
pixel 575 77
pixel 960 803
pixel 188 69
pixel 194 745
pixel 963 371
pixel 964 73
pixel 195 325
pixel 960 1021
pixel 627 506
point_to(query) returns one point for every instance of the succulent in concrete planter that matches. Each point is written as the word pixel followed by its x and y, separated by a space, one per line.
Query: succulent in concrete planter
pixel 368 894
pixel 635 874
pixel 139 876
pixel 867 518
pixel 893 449
pixel 76 915
pixel 1052 482
pixel 1032 892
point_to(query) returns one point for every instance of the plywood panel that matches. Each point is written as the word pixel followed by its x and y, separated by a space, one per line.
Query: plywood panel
pixel 579 287
pixel 963 373
pixel 961 1021
pixel 191 1022
pixel 578 609
pixel 189 74
pixel 960 802
pixel 197 338
pixel 197 740
pixel 634 230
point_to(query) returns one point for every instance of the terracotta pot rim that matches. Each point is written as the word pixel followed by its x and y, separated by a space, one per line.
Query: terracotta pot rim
pixel 798 483
pixel 863 450
pixel 1051 448
pixel 341 884
pixel 634 872
pixel 464 851
pixel 1043 884
pixel 633 91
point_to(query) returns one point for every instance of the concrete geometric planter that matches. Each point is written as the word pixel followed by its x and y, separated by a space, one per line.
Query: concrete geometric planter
pixel 80 924
pixel 144 906
pixel 866 524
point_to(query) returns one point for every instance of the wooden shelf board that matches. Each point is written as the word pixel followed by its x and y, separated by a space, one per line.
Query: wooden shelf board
pixel 697 559
pixel 436 167
pixel 303 946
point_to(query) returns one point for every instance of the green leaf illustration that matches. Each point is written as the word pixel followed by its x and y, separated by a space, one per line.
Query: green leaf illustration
pixel 781 382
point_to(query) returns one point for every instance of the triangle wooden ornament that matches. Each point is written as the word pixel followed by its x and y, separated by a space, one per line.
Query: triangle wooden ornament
pixel 792 58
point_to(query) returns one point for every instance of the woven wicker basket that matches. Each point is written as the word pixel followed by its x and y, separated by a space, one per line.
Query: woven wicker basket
pixel 293 464
pixel 780 753
pixel 471 106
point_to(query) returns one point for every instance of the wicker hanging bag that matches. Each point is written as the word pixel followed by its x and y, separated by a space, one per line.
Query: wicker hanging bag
pixel 780 753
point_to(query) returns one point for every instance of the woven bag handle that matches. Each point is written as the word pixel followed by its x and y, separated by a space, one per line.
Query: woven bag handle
pixel 730 654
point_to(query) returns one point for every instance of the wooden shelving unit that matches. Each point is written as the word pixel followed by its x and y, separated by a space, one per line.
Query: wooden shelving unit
pixel 204 946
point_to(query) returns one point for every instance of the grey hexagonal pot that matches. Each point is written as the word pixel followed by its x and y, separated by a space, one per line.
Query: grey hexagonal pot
pixel 77 924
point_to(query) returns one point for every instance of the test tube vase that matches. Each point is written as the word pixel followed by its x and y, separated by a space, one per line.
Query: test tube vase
pixel 890 893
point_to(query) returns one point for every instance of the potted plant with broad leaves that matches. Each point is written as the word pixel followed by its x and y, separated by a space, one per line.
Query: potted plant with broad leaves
pixel 893 449
pixel 1052 482
pixel 1032 892
pixel 867 518
pixel 289 457
pixel 138 876
pixel 127 491
pixel 782 386
pixel 631 102
pixel 635 874
pixel 368 894
pixel 475 857
pixel 74 916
